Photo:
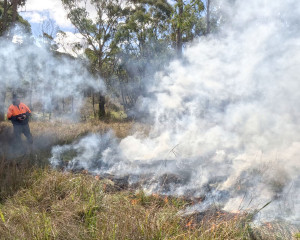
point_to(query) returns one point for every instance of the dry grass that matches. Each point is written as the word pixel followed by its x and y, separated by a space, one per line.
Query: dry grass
pixel 67 131
pixel 14 170
pixel 47 134
pixel 39 203
pixel 66 206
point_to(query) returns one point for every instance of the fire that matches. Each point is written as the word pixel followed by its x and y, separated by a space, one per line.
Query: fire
pixel 269 226
pixel 134 201
pixel 97 178
pixel 189 224
pixel 213 227
pixel 166 200
pixel 155 195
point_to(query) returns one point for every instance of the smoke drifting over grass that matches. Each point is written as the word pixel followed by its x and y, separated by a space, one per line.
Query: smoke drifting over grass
pixel 225 120
pixel 41 76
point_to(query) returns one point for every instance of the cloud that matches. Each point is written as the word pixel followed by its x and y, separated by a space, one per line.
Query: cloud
pixel 47 9
pixel 34 17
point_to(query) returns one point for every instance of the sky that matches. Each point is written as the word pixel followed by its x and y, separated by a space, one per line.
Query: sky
pixel 36 11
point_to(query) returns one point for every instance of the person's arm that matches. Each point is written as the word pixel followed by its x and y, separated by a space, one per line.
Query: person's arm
pixel 28 112
pixel 10 115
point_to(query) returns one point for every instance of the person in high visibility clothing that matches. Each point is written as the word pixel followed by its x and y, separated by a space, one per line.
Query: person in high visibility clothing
pixel 18 113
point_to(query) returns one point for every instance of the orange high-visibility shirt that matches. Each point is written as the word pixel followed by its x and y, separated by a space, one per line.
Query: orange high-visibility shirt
pixel 14 111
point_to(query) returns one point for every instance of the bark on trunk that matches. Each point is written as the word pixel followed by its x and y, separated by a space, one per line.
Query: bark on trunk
pixel 4 17
pixel 15 10
pixel 101 106
pixel 93 100
pixel 101 97
pixel 208 17
pixel 2 103
pixel 179 30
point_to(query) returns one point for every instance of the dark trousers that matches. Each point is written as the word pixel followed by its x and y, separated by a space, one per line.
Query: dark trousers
pixel 19 129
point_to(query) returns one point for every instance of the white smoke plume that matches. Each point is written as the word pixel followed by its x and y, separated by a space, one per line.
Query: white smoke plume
pixel 225 121
pixel 40 76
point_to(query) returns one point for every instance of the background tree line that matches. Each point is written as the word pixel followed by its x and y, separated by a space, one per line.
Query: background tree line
pixel 126 41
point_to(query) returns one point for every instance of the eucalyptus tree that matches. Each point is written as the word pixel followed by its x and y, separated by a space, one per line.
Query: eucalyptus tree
pixel 187 23
pixel 142 43
pixel 98 29
pixel 9 15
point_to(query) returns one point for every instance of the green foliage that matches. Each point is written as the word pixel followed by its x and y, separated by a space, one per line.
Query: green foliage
pixel 2 216
pixel 191 22
pixel 6 17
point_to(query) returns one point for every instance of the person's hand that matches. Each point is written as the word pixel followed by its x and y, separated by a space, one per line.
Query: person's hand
pixel 20 119
pixel 24 116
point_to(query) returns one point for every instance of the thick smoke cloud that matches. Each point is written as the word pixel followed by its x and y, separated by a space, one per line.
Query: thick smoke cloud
pixel 39 75
pixel 225 121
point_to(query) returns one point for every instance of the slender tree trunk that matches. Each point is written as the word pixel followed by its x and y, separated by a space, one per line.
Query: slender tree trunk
pixel 63 105
pixel 101 106
pixel 123 97
pixel 179 29
pixel 30 97
pixel 2 102
pixel 93 100
pixel 72 104
pixel 15 10
pixel 101 97
pixel 4 17
pixel 3 87
pixel 208 17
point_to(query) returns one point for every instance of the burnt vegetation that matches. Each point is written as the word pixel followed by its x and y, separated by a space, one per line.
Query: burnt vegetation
pixel 38 202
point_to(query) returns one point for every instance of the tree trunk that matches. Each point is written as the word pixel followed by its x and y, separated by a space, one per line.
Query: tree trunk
pixel 179 29
pixel 30 96
pixel 208 17
pixel 101 106
pixel 2 102
pixel 4 17
pixel 101 97
pixel 72 104
pixel 15 10
pixel 93 100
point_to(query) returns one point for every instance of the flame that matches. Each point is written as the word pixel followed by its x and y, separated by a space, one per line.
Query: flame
pixel 166 200
pixel 155 195
pixel 189 224
pixel 134 201
pixel 269 225
pixel 213 227
pixel 97 178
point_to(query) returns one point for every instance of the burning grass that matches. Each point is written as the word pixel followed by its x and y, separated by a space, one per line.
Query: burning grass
pixel 59 205
pixel 39 203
